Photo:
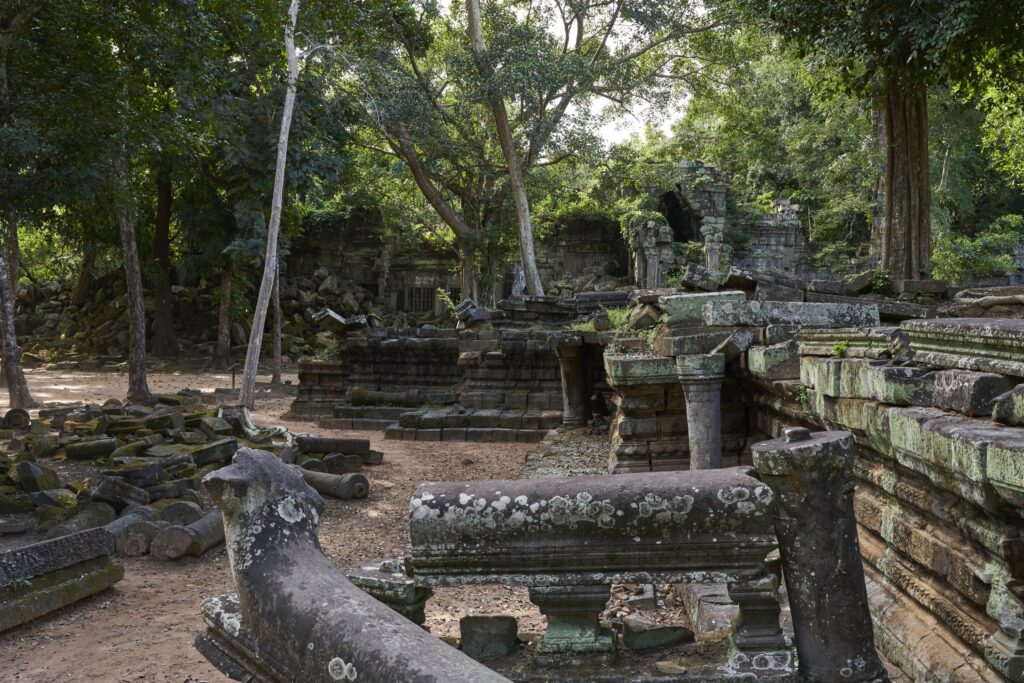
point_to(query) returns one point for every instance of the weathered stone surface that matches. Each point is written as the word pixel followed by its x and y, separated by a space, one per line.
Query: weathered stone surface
pixel 578 530
pixel 1009 407
pixel 119 527
pixel 181 512
pixel 813 478
pixel 88 516
pixel 56 589
pixel 29 561
pixel 573 614
pixel 636 370
pixel 779 361
pixel 271 516
pixel 888 310
pixel 342 463
pixel 680 309
pixel 487 637
pixel 219 451
pixel 388 581
pixel 640 633
pixel 760 313
pixel 35 477
pixel 215 426
pixel 773 292
pixel 968 393
pixel 327 444
pixel 871 342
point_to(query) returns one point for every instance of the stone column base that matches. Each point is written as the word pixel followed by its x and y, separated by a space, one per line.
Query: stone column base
pixel 573 619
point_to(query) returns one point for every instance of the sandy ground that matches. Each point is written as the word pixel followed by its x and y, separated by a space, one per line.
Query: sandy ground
pixel 143 628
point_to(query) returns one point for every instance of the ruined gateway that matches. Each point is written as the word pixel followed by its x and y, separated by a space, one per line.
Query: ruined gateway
pixel 870 469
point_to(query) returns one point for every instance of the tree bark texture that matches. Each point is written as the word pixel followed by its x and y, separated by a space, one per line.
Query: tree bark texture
pixel 906 239
pixel 222 352
pixel 17 387
pixel 275 377
pixel 164 342
pixel 247 393
pixel 83 287
pixel 138 388
pixel 515 172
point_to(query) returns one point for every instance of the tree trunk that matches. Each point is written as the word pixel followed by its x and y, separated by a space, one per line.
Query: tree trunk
pixel 906 228
pixel 17 387
pixel 467 271
pixel 275 377
pixel 247 393
pixel 13 254
pixel 84 285
pixel 222 353
pixel 515 171
pixel 138 388
pixel 164 342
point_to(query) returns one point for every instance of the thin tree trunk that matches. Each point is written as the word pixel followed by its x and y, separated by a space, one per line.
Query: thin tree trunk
pixel 13 254
pixel 164 342
pixel 247 394
pixel 467 271
pixel 138 388
pixel 222 353
pixel 17 387
pixel 84 285
pixel 515 171
pixel 275 377
pixel 906 228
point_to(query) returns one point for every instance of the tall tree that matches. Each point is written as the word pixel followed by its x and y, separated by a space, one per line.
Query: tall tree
pixel 164 341
pixel 895 50
pixel 515 171
pixel 247 392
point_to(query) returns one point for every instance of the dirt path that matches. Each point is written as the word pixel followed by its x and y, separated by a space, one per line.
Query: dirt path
pixel 143 628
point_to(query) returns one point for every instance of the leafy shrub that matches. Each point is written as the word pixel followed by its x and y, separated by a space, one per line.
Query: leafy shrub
pixel 959 258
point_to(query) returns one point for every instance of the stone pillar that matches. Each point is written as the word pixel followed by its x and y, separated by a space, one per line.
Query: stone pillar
pixel 390 583
pixel 812 477
pixel 574 384
pixel 573 614
pixel 701 376
pixel 758 627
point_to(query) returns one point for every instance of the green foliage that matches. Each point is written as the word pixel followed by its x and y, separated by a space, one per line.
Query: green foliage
pixel 619 318
pixel 960 258
pixel 583 326
pixel 803 395
pixel 692 252
pixel 881 281
pixel 840 347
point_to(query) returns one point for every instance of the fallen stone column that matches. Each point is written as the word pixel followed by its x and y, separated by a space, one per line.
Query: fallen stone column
pixel 90 449
pixel 90 516
pixel 39 578
pixel 119 527
pixel 296 617
pixel 701 376
pixel 329 444
pixel 341 486
pixel 812 476
pixel 194 539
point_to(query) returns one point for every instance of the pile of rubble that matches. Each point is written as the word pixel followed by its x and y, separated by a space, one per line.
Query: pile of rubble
pixel 95 333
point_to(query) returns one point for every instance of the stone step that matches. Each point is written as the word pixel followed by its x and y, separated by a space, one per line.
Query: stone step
pixel 358 424
pixel 368 412
pixel 463 434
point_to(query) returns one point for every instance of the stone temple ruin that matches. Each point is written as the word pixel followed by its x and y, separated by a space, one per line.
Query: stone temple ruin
pixel 845 473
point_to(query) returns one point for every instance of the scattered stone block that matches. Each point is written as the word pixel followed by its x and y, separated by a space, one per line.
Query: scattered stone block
pixel 776 362
pixel 858 284
pixel 428 434
pixel 182 513
pixel 640 633
pixel 219 451
pixel 87 516
pixel 340 486
pixel 119 527
pixel 487 637
pixel 1008 408
pixel 214 427
pixel 194 539
pixel 139 536
pixel 35 477
pixel 680 309
pixel 773 292
pixel 94 448
pixel 454 434
pixel 119 493
pixel 326 444
pixel 342 463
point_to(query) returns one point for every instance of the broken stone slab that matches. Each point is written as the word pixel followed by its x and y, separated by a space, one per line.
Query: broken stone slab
pixel 921 286
pixel 26 562
pixel 327 444
pixel 87 516
pixel 338 324
pixel 624 370
pixel 341 486
pixel 175 488
pixel 389 582
pixel 680 309
pixel 643 316
pixel 214 427
pixel 687 341
pixel 94 448
pixel 982 344
pixel 641 633
pixel 487 637
pixel 737 343
pixel 272 517
pixel 872 342
pixel 51 591
pixel 890 311
pixel 699 277
pixel 117 492
pixel 969 393
pixel 195 539
pixel 761 313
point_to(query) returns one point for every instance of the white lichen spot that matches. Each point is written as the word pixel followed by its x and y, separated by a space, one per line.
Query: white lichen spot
pixel 340 670
pixel 231 622
pixel 464 498
pixel 522 500
pixel 290 511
